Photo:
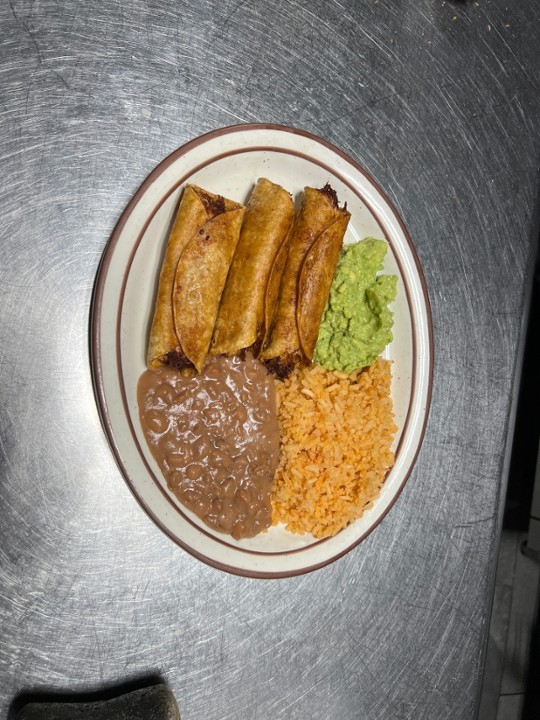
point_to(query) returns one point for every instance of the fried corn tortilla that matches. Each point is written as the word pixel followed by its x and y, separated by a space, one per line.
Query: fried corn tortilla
pixel 315 281
pixel 200 215
pixel 199 281
pixel 314 247
pixel 253 281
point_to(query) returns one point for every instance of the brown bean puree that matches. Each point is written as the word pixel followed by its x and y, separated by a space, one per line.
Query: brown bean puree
pixel 216 439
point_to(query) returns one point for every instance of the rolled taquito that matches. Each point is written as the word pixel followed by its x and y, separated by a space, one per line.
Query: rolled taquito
pixel 199 252
pixel 253 281
pixel 313 253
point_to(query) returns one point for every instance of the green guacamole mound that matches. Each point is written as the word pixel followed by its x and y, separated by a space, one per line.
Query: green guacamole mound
pixel 357 323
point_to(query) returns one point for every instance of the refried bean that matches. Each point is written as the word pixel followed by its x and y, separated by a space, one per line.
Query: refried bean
pixel 216 439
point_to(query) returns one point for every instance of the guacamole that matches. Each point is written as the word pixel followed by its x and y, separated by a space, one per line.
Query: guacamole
pixel 357 323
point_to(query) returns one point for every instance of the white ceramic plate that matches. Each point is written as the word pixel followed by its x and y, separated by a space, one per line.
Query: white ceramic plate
pixel 228 161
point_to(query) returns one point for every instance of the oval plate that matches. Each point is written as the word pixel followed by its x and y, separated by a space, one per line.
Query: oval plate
pixel 228 161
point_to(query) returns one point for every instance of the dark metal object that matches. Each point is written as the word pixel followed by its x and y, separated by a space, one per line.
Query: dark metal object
pixel 152 703
pixel 440 102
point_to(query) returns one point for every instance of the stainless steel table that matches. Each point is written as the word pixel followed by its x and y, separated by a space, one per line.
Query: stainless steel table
pixel 440 102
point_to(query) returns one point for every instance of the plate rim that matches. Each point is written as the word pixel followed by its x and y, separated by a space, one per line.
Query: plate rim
pixel 96 355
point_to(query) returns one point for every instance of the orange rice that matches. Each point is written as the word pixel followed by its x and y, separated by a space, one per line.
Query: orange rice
pixel 337 432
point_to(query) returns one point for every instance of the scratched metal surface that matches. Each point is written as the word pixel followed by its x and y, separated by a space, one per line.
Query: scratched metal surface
pixel 440 101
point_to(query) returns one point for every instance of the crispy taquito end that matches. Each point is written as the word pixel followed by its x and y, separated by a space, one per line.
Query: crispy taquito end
pixel 241 320
pixel 297 317
pixel 196 207
pixel 199 280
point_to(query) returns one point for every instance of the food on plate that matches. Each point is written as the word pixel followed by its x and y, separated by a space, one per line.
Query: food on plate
pixel 357 322
pixel 240 448
pixel 215 438
pixel 337 432
pixel 313 253
pixel 199 252
pixel 253 280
